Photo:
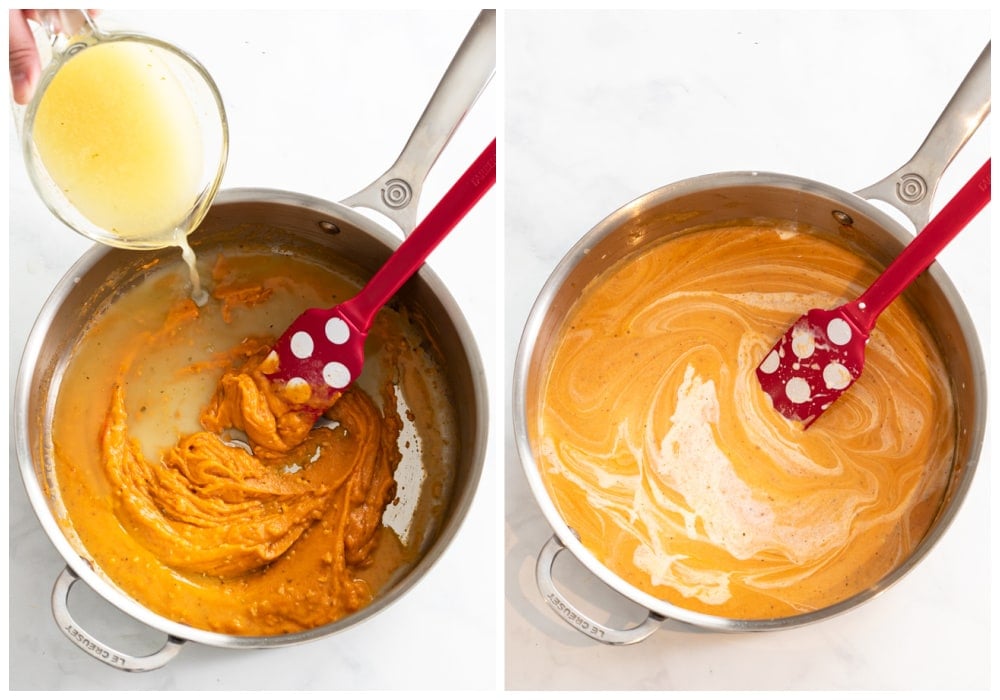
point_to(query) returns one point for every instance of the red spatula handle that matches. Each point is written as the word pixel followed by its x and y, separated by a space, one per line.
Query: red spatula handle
pixel 463 195
pixel 920 253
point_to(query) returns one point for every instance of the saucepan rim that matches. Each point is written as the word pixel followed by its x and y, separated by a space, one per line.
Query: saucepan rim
pixel 42 504
pixel 539 318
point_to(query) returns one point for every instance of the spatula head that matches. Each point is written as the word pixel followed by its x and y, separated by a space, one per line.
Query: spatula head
pixel 813 363
pixel 317 357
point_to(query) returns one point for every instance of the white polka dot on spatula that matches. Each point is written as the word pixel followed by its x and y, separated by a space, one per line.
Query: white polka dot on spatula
pixel 797 390
pixel 803 343
pixel 838 331
pixel 336 375
pixel 337 331
pixel 770 363
pixel 302 345
pixel 836 376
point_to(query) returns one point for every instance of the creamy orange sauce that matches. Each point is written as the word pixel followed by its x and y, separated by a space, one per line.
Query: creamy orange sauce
pixel 659 448
pixel 200 531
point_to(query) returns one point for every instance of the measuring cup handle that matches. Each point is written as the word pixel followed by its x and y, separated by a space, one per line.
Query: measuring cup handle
pixel 911 188
pixel 65 23
pixel 100 651
pixel 396 192
pixel 572 615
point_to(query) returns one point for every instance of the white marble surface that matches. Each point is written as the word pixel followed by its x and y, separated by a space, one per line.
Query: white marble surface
pixel 319 103
pixel 603 107
pixel 598 109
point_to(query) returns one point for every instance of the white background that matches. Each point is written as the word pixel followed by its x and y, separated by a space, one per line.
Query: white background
pixel 319 103
pixel 601 108
pixel 598 109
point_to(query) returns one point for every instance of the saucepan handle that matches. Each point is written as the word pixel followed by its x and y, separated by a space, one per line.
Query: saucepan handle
pixel 911 188
pixel 572 615
pixel 90 644
pixel 396 192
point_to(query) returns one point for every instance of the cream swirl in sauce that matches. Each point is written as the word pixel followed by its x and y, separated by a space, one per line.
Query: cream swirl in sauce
pixel 659 448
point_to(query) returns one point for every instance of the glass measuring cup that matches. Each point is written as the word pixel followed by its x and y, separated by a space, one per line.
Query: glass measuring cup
pixel 126 137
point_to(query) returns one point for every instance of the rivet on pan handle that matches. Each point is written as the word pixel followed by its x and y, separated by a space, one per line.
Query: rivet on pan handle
pixel 100 651
pixel 396 192
pixel 572 615
pixel 911 188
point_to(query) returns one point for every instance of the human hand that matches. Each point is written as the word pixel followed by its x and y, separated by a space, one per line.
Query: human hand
pixel 25 64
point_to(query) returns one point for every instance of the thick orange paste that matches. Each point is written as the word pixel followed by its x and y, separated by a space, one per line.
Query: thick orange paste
pixel 659 448
pixel 199 530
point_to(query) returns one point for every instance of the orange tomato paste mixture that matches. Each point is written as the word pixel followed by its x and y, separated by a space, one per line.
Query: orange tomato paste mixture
pixel 659 448
pixel 193 526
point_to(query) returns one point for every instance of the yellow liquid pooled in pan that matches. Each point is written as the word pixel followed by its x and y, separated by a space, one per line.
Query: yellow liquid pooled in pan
pixel 661 451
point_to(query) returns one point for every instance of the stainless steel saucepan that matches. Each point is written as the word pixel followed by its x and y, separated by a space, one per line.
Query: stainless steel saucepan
pixel 294 224
pixel 722 198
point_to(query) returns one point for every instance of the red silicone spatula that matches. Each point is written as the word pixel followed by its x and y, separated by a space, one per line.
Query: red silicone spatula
pixel 323 349
pixel 823 352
